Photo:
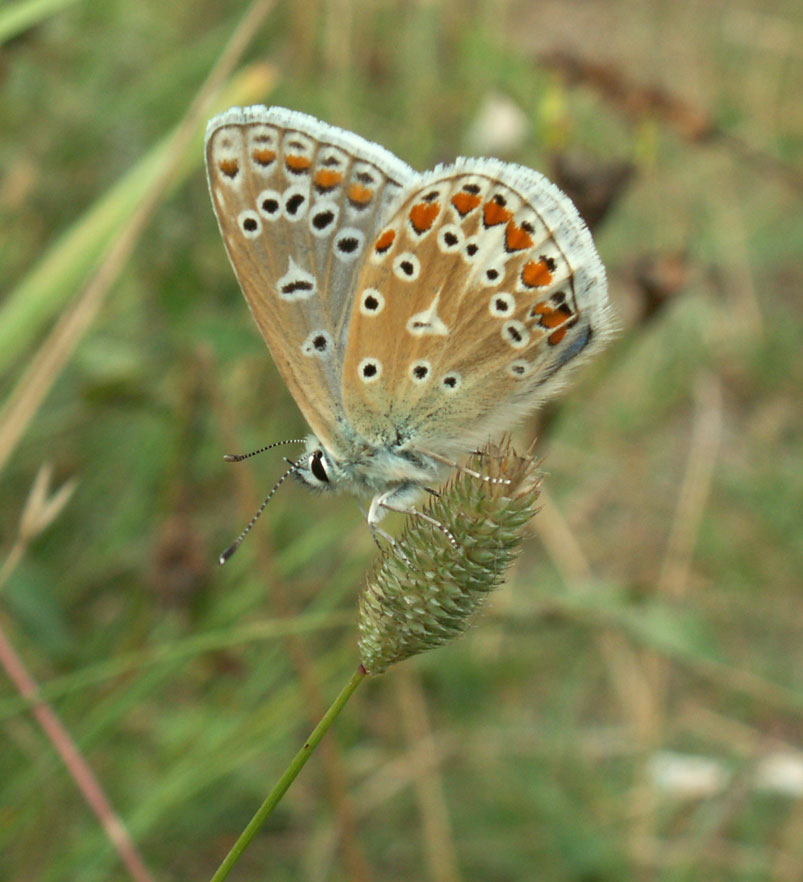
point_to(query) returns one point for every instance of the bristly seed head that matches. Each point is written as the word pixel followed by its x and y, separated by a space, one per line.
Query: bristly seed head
pixel 410 606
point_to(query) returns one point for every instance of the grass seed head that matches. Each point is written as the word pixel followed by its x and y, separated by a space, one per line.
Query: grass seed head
pixel 421 602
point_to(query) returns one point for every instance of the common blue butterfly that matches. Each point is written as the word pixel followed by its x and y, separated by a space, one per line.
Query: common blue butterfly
pixel 412 315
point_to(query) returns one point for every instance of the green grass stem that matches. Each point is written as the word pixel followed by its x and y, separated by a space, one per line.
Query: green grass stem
pixel 290 774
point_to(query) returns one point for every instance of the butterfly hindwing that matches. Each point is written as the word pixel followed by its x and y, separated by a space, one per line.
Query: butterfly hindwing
pixel 298 203
pixel 477 296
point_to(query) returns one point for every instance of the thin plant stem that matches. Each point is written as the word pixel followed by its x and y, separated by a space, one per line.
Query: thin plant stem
pixel 55 731
pixel 79 769
pixel 356 864
pixel 290 774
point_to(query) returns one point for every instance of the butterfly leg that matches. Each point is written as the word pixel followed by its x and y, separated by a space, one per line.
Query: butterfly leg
pixel 396 500
pixel 456 465
pixel 377 533
pixel 414 512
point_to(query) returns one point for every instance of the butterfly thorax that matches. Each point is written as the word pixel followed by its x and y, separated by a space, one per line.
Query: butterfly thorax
pixel 367 470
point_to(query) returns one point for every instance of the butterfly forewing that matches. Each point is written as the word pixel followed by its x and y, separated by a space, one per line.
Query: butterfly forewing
pixel 476 296
pixel 299 203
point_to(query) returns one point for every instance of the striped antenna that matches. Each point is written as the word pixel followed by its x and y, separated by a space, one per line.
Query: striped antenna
pixel 239 540
pixel 239 457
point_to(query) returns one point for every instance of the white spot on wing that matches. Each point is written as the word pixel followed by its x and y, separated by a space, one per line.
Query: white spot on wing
pixel 365 174
pixel 318 343
pixel 428 322
pixel 295 201
pixel 420 371
pixel 348 244
pixel 450 238
pixel 451 382
pixel 515 334
pixel 269 204
pixel 323 217
pixel 332 158
pixel 519 368
pixel 494 274
pixel 501 304
pixel 369 370
pixel 372 302
pixel 471 249
pixel 296 283
pixel 249 223
pixel 406 267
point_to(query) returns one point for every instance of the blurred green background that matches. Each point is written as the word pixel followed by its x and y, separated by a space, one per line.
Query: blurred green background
pixel 630 705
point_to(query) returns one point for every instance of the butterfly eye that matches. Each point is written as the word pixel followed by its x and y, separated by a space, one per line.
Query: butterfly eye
pixel 317 467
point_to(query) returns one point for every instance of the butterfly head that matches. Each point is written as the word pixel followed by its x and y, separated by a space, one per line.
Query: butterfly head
pixel 365 470
pixel 316 468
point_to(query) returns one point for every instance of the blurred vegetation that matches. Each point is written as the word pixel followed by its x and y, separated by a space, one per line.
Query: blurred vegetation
pixel 655 617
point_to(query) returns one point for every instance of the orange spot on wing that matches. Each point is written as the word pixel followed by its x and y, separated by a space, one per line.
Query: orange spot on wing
pixel 559 318
pixel 423 214
pixel 385 241
pixel 327 178
pixel 556 336
pixel 360 195
pixel 552 319
pixel 297 163
pixel 493 213
pixel 536 273
pixel 229 167
pixel 465 202
pixel 263 156
pixel 517 238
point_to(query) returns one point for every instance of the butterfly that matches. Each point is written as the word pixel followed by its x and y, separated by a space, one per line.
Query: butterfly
pixel 411 315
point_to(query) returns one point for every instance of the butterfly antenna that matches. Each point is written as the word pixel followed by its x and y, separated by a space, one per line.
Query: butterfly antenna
pixel 239 457
pixel 239 540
